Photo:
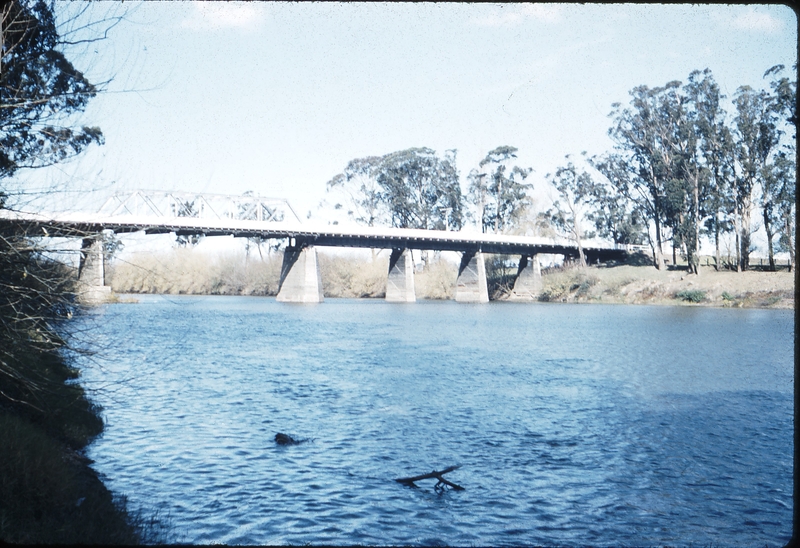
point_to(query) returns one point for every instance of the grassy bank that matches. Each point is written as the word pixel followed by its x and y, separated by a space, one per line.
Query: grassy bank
pixel 184 271
pixel 48 490
pixel 629 284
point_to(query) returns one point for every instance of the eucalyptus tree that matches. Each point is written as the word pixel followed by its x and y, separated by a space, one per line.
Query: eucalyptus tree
pixel 757 138
pixel 714 155
pixel 576 196
pixel 644 160
pixel 477 191
pixel 784 95
pixel 785 171
pixel 501 195
pixel 706 166
pixel 779 193
pixel 681 170
pixel 412 188
pixel 357 190
pixel 41 91
pixel 616 216
pixel 420 189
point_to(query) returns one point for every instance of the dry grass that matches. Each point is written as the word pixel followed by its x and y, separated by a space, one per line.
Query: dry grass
pixel 350 277
pixel 185 271
pixel 630 284
pixel 437 280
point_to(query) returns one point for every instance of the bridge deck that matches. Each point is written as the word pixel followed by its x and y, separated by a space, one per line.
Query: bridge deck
pixel 81 224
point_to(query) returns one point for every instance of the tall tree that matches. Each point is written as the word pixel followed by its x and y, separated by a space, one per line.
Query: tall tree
pixel 502 195
pixel 420 189
pixel 757 137
pixel 779 192
pixel 785 171
pixel 356 189
pixel 40 92
pixel 477 191
pixel 412 188
pixel 616 216
pixel 707 146
pixel 645 161
pixel 715 150
pixel 576 195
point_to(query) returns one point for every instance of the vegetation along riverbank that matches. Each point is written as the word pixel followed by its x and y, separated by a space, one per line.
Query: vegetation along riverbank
pixel 49 493
pixel 185 271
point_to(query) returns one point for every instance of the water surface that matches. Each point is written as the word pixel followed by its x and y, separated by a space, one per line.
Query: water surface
pixel 574 424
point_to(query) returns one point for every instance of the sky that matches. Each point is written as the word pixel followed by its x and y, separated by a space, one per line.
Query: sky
pixel 277 98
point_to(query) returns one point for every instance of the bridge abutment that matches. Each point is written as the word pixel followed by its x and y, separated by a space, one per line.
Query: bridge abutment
pixel 528 284
pixel 471 283
pixel 300 278
pixel 91 272
pixel 400 281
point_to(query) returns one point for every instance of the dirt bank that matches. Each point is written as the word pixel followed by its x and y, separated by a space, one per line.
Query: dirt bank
pixel 627 284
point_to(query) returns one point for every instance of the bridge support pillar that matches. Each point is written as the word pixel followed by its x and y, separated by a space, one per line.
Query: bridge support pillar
pixel 91 273
pixel 400 282
pixel 300 279
pixel 471 284
pixel 528 284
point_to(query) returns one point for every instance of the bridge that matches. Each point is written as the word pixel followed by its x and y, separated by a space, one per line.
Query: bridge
pixel 192 214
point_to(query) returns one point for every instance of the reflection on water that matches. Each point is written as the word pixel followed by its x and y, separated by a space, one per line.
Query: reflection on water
pixel 573 424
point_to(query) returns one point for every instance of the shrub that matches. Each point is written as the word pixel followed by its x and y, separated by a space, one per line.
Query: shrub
pixel 585 285
pixel 727 296
pixel 353 277
pixel 437 281
pixel 691 295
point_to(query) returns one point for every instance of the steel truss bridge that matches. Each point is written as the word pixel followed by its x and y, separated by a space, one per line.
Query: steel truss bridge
pixel 194 214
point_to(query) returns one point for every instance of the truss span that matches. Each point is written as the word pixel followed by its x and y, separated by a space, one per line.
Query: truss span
pixel 199 205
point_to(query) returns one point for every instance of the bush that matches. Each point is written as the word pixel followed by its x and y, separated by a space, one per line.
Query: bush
pixel 352 277
pixel 727 296
pixel 691 295
pixel 437 281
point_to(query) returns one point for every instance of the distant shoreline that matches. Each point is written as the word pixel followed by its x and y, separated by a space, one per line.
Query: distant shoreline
pixel 184 272
pixel 622 285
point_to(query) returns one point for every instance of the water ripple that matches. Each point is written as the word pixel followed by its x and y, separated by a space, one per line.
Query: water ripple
pixel 563 438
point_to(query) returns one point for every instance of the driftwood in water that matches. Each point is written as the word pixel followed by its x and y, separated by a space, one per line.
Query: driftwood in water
pixel 438 475
pixel 285 439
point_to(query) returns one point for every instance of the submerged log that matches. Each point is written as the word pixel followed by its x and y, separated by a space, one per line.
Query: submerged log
pixel 440 485
pixel 285 439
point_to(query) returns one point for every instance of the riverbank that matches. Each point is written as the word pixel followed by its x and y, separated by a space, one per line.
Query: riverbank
pixel 182 271
pixel 628 284
pixel 49 493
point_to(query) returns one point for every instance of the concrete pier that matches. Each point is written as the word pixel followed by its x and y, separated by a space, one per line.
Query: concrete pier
pixel 528 284
pixel 91 273
pixel 471 284
pixel 400 282
pixel 300 279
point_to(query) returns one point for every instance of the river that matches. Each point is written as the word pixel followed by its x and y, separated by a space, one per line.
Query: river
pixel 573 424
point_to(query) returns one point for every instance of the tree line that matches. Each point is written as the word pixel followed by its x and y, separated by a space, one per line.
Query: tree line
pixel 682 168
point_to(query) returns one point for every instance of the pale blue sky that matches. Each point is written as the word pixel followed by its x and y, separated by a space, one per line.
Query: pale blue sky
pixel 277 98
